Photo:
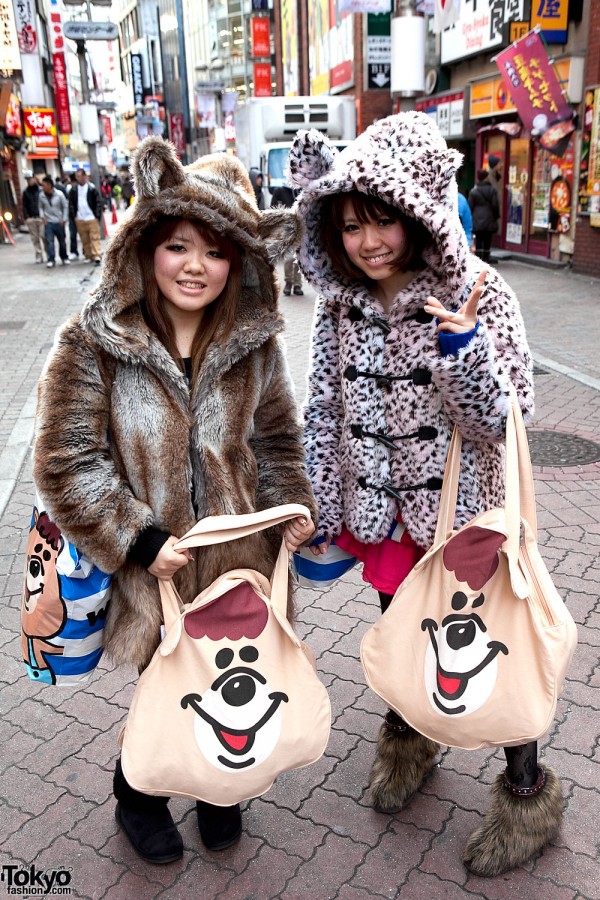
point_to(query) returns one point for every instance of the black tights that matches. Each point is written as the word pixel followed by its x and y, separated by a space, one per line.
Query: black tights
pixel 521 762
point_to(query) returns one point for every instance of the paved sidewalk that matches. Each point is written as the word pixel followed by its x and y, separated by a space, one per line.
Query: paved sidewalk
pixel 313 835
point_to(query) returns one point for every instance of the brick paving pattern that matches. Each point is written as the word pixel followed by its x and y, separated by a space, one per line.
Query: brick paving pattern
pixel 313 834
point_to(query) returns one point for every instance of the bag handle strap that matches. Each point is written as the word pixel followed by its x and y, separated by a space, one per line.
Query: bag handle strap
pixel 171 602
pixel 219 529
pixel 519 496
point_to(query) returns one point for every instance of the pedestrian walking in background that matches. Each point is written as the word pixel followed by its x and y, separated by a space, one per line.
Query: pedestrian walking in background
pixel 412 336
pixel 85 204
pixel 466 219
pixel 33 219
pixel 54 211
pixel 73 248
pixel 483 202
pixel 168 399
pixel 284 196
pixel 256 178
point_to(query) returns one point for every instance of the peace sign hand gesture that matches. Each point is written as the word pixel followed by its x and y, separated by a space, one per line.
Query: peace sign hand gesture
pixel 466 318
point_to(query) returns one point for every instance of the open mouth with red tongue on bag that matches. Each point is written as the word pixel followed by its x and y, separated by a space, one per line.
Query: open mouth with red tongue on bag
pixel 234 740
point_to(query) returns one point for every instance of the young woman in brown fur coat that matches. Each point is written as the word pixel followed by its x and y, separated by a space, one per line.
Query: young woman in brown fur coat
pixel 167 399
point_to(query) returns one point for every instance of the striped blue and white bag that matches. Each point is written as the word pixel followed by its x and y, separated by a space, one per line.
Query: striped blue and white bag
pixel 321 571
pixel 65 600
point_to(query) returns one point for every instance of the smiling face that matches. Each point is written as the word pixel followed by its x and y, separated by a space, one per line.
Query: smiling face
pixel 190 272
pixel 373 246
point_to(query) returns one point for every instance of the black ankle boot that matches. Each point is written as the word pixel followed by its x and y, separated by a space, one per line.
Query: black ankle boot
pixel 219 826
pixel 147 822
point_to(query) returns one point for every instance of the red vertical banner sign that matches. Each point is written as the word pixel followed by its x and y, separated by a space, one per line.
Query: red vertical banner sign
pixel 61 93
pixel 536 92
pixel 261 36
pixel 262 80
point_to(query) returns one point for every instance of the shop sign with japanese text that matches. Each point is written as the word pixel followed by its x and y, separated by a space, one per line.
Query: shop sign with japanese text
pixel 10 57
pixel 483 25
pixel 262 80
pixel 25 16
pixel 55 32
pixel 552 16
pixel 261 36
pixel 61 93
pixel 12 121
pixel 40 127
pixel 447 111
pixel 536 92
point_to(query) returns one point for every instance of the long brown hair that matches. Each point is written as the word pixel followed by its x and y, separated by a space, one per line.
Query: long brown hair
pixel 218 315
pixel 366 208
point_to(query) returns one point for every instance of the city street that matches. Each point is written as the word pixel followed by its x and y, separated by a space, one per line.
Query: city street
pixel 313 835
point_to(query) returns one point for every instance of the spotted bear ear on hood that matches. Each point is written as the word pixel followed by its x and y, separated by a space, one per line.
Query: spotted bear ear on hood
pixel 155 167
pixel 280 230
pixel 434 170
pixel 311 157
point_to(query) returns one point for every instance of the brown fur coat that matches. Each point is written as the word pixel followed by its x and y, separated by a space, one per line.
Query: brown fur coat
pixel 120 442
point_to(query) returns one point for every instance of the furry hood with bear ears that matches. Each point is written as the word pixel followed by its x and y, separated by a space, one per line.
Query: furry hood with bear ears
pixel 404 161
pixel 216 192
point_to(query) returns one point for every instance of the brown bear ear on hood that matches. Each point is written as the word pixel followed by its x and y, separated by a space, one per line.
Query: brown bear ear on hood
pixel 155 167
pixel 311 157
pixel 280 230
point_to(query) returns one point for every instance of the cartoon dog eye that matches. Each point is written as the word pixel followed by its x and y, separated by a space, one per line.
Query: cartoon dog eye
pixel 36 568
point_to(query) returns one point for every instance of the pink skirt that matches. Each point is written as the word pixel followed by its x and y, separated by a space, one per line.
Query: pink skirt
pixel 385 565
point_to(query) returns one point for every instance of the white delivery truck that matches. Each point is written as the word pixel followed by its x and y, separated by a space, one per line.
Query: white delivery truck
pixel 265 128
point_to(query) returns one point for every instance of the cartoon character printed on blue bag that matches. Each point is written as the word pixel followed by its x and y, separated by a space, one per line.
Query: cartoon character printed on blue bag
pixel 461 662
pixel 43 612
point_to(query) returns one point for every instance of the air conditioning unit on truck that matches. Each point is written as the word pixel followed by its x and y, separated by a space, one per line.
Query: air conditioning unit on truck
pixel 266 126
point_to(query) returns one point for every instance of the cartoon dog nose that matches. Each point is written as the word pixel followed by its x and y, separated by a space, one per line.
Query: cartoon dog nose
pixel 239 690
pixel 461 634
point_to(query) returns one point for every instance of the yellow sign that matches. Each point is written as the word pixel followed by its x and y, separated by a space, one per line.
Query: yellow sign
pixel 551 16
pixel 517 30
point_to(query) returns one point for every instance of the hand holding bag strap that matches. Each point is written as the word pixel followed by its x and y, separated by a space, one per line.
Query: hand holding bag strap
pixel 219 529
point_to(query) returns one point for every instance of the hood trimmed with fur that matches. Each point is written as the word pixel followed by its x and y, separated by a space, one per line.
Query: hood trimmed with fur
pixel 404 161
pixel 215 191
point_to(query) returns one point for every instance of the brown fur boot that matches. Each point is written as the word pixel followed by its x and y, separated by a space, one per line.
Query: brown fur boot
pixel 404 757
pixel 517 825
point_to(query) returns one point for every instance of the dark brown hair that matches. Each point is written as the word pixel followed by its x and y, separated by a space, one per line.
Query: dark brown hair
pixel 220 314
pixel 367 208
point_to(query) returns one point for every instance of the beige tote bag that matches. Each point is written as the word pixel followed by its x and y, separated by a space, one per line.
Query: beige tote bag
pixel 231 697
pixel 473 650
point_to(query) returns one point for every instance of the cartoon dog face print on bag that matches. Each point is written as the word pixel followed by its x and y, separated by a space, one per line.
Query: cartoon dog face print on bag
pixel 461 661
pixel 237 721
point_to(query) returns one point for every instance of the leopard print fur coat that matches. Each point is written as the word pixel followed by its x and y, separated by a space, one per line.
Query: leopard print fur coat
pixel 382 401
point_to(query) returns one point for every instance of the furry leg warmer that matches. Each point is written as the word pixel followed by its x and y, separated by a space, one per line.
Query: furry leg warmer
pixel 404 757
pixel 518 824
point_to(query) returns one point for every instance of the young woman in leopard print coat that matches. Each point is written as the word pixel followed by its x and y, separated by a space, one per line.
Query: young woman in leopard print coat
pixel 412 335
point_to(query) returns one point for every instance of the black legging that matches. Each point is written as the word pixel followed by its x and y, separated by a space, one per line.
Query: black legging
pixel 521 762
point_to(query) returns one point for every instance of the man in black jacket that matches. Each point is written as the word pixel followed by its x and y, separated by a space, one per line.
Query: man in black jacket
pixel 85 205
pixel 483 202
pixel 33 219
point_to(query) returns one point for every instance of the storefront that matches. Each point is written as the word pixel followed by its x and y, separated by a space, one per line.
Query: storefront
pixel 535 187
